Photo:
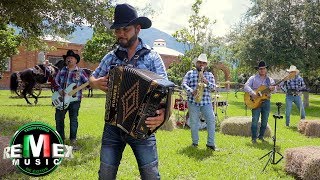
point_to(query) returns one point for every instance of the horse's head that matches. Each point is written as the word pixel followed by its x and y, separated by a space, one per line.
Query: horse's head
pixel 60 64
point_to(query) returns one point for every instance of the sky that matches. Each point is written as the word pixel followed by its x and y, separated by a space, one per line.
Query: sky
pixel 172 15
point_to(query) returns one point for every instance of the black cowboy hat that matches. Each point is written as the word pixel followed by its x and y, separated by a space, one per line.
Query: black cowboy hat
pixel 71 53
pixel 261 65
pixel 126 15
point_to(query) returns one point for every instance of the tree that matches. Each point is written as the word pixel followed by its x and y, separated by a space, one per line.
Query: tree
pixel 35 19
pixel 280 32
pixel 8 44
pixel 103 39
pixel 198 37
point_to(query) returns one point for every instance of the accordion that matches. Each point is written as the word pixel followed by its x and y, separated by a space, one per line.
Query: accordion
pixel 134 95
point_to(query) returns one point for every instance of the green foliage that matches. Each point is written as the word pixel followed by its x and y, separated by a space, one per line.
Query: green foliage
pixel 8 44
pixel 237 158
pixel 199 39
pixel 280 32
pixel 96 48
pixel 36 19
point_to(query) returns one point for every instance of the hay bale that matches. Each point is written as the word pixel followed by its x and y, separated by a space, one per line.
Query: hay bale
pixel 302 126
pixel 313 129
pixel 240 126
pixel 170 124
pixel 309 127
pixel 6 166
pixel 303 162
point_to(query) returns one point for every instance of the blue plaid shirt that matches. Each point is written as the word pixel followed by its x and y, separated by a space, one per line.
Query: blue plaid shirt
pixel 151 61
pixel 65 77
pixel 190 82
pixel 296 84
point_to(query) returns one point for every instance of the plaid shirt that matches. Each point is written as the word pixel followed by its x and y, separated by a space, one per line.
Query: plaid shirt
pixel 65 77
pixel 151 61
pixel 190 82
pixel 296 84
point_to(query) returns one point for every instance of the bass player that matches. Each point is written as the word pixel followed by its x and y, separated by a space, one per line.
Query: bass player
pixel 253 83
pixel 65 77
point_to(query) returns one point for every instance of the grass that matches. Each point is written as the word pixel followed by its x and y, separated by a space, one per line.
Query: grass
pixel 237 158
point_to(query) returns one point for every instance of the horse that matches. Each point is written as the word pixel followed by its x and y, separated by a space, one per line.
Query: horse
pixel 30 77
pixel 60 64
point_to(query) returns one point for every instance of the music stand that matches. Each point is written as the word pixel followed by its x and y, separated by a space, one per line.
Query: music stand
pixel 272 153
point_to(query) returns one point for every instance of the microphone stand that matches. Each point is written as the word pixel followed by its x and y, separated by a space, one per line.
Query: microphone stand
pixel 272 153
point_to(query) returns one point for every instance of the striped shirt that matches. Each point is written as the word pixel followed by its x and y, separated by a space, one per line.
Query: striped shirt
pixel 151 61
pixel 296 84
pixel 65 77
pixel 190 83
pixel 254 82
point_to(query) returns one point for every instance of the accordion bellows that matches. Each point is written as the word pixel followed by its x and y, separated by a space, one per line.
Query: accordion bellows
pixel 134 95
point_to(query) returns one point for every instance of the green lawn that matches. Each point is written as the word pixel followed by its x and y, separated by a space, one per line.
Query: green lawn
pixel 237 159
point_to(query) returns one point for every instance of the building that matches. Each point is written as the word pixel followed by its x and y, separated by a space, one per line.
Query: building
pixel 27 59
pixel 168 55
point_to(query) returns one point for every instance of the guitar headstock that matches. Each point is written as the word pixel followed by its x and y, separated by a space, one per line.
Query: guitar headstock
pixel 291 75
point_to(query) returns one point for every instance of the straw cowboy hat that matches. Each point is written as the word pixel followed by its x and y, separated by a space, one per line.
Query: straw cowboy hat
pixel 201 58
pixel 71 53
pixel 293 68
pixel 261 64
pixel 126 15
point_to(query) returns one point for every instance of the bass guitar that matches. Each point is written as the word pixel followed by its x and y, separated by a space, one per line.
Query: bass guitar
pixel 62 103
pixel 263 93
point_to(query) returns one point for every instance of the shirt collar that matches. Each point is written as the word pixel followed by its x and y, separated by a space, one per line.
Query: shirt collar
pixel 75 69
pixel 140 46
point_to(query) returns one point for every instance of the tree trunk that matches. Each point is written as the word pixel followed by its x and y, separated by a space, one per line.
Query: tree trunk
pixel 306 99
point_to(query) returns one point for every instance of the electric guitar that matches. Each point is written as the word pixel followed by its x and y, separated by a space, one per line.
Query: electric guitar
pixel 263 93
pixel 62 103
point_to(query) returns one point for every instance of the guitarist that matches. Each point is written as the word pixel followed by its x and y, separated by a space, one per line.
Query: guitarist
pixel 253 83
pixel 66 76
pixel 293 89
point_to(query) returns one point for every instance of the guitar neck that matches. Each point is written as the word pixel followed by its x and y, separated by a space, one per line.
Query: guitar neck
pixel 71 93
pixel 267 90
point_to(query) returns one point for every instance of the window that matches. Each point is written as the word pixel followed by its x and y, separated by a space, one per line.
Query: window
pixel 7 65
pixel 54 59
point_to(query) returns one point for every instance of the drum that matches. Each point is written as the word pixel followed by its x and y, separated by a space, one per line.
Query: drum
pixel 180 105
pixel 202 123
pixel 222 103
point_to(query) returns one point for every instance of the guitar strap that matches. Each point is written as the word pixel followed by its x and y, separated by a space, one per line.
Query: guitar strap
pixel 123 56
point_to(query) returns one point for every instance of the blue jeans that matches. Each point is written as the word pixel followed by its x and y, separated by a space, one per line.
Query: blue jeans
pixel 264 110
pixel 73 110
pixel 114 141
pixel 208 114
pixel 298 102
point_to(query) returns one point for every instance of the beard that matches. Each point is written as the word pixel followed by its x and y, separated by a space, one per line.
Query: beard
pixel 129 43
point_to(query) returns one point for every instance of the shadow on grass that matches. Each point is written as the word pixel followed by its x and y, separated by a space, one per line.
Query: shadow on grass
pixel 95 96
pixel 9 125
pixel 25 105
pixel 196 153
pixel 293 128
pixel 201 154
pixel 21 97
pixel 89 150
pixel 262 145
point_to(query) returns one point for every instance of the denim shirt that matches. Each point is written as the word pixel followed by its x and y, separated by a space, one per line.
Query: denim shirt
pixel 151 61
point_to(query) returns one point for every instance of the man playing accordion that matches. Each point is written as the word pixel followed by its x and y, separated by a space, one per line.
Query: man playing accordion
pixel 127 26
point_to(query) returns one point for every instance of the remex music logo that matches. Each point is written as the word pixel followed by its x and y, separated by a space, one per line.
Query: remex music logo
pixel 37 149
